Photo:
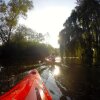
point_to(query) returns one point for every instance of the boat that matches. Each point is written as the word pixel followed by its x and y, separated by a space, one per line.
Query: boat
pixel 30 88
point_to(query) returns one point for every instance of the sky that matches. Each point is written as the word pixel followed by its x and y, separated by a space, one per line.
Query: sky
pixel 48 16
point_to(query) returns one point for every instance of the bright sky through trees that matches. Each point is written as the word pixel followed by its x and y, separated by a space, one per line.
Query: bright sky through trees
pixel 48 16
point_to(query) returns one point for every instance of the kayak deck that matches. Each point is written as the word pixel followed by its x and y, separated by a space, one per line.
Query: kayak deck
pixel 30 88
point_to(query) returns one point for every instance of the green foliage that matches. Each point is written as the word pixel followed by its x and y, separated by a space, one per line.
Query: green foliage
pixel 52 50
pixel 22 33
pixel 25 47
pixel 25 52
pixel 81 38
pixel 10 12
pixel 82 31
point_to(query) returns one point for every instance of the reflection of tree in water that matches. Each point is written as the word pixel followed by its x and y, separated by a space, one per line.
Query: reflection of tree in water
pixel 81 84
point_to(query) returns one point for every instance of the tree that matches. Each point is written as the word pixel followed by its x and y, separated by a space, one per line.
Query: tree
pixel 71 37
pixel 9 14
pixel 27 34
pixel 39 37
pixel 62 42
pixel 82 35
pixel 89 17
pixel 82 29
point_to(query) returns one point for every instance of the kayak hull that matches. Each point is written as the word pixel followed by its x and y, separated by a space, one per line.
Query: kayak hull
pixel 30 88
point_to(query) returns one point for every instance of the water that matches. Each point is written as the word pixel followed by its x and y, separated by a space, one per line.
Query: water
pixel 48 77
pixel 63 82
pixel 50 74
pixel 7 82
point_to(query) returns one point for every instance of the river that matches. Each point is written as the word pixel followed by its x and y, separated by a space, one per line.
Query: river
pixel 50 74
pixel 63 82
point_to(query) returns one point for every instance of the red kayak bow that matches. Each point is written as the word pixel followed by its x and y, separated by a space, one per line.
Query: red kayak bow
pixel 30 88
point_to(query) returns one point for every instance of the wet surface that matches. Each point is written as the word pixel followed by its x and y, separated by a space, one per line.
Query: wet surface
pixel 63 82
pixel 50 74
pixel 7 82
pixel 52 77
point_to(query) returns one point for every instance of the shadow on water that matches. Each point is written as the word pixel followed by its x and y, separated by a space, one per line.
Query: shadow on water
pixel 75 82
pixel 9 81
pixel 71 82
pixel 51 75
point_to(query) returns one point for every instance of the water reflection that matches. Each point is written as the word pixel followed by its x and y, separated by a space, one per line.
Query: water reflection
pixel 57 59
pixel 51 75
pixel 53 79
pixel 56 71
pixel 50 81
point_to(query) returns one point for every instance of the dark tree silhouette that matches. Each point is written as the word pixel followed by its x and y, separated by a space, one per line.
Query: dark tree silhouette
pixel 82 39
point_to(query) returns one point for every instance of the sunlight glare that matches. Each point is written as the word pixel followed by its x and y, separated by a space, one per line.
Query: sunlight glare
pixel 46 20
pixel 42 95
pixel 56 71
